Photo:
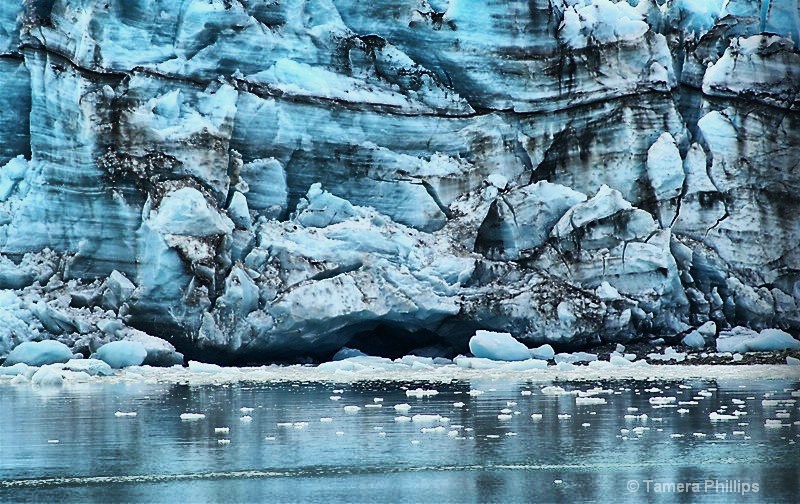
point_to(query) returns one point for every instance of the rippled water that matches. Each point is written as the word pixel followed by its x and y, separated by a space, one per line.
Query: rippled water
pixel 68 445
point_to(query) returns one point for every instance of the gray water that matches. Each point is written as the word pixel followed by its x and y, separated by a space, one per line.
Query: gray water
pixel 157 457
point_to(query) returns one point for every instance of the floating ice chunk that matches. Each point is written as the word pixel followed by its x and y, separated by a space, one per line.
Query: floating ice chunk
pixel 433 430
pixel 17 370
pixel 718 417
pixel 402 407
pixel 93 367
pixel 661 400
pixel 792 361
pixel 475 392
pixel 426 418
pixel 564 416
pixel 682 411
pixel 53 441
pixel 352 409
pixel 556 390
pixel 326 419
pixel 497 180
pixel 668 355
pixel 39 353
pixel 335 397
pixel 48 376
pixel 536 416
pixel 525 392
pixel 458 404
pixel 419 393
pixel 221 430
pixel 744 340
pixel 245 409
pixel 223 441
pixel 192 416
pixel 525 365
pixel 498 346
pixel 619 360
pixel 373 406
pixel 300 425
pixel 574 358
pixel 246 419
pixel 402 419
pixel 589 401
pixel 504 416
pixel 202 367
pixel 120 354
pixel 119 414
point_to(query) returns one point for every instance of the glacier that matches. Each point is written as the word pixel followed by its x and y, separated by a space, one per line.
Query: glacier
pixel 250 181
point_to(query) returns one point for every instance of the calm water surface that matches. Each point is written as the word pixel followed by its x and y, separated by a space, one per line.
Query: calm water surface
pixel 68 445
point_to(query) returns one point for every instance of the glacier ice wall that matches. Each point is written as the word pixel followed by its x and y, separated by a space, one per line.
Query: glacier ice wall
pixel 278 179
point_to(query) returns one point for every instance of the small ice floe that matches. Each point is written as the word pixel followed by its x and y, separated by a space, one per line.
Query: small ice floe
pixel 504 416
pixel 125 414
pixel 284 424
pixel 589 401
pixel 774 424
pixel 511 434
pixel 475 392
pixel 653 390
pixel 557 482
pixel 556 390
pixel 221 430
pixel 688 403
pixel 683 411
pixel 224 441
pixel 352 409
pixel 339 433
pixel 633 410
pixel 511 403
pixel 300 425
pixel 782 415
pixel 661 401
pixel 402 407
pixel 433 430
pixel 525 392
pixel 53 441
pixel 335 397
pixel 718 417
pixel 624 432
pixel 381 434
pixel 338 391
pixel 415 441
pixel 698 434
pixel 676 436
pixel 770 403
pixel 377 399
pixel 705 393
pixel 270 438
pixel 373 406
pixel 326 419
pixel 640 430
pixel 246 419
pixel 402 419
pixel 643 416
pixel 420 393
pixel 505 411
pixel 453 433
pixel 738 433
pixel 492 436
pixel 536 416
pixel 246 410
pixel 720 435
pixel 586 424
pixel 192 416
pixel 426 418
pixel 458 404
pixel 564 416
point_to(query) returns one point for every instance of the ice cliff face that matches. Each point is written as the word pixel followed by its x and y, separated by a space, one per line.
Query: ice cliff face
pixel 261 180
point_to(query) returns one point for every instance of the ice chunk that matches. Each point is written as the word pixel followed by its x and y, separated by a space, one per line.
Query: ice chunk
pixel 120 354
pixel 544 352
pixel 48 376
pixel 39 353
pixel 192 416
pixel 744 340
pixel 93 367
pixel 498 346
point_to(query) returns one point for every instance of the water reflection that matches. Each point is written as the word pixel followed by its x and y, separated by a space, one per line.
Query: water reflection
pixel 285 453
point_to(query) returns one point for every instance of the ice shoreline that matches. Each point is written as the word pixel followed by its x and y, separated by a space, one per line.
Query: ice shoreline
pixel 444 374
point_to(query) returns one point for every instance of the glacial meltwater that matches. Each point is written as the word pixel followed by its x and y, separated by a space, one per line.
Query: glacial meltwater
pixel 501 440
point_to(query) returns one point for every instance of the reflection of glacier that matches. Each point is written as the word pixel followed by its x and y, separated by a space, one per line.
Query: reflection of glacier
pixel 278 179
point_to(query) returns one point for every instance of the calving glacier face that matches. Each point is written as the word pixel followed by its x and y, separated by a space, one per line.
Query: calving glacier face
pixel 260 180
